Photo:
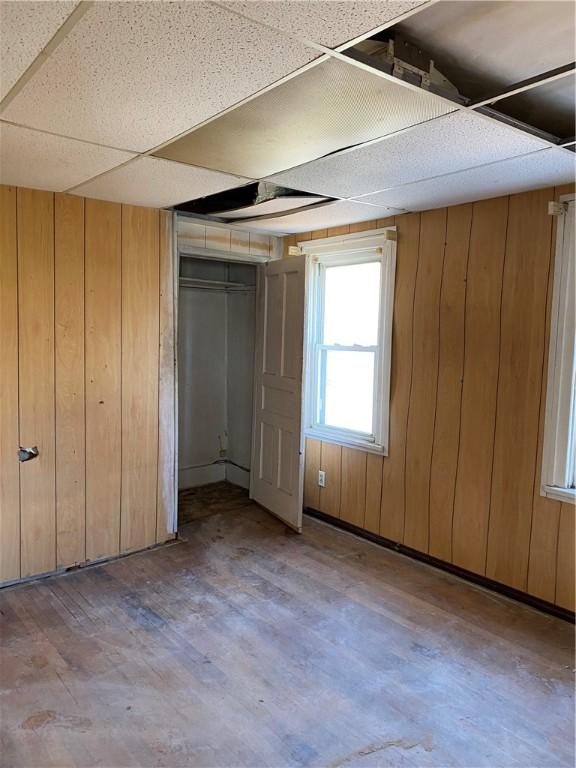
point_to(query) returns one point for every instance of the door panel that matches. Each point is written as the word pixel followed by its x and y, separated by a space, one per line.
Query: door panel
pixel 277 475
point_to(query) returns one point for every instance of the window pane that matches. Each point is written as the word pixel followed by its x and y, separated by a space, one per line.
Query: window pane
pixel 351 304
pixel 348 384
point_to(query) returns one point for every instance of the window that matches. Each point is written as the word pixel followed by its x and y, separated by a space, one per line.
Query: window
pixel 349 338
pixel 559 453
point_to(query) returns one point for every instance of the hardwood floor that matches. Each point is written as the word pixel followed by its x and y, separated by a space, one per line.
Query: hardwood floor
pixel 245 644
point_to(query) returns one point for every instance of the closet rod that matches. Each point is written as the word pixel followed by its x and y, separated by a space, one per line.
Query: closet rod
pixel 214 285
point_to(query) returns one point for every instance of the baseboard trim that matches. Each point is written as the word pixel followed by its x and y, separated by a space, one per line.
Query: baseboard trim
pixel 475 578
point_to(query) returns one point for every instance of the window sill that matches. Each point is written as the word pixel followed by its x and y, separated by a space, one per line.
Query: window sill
pixel 559 494
pixel 347 442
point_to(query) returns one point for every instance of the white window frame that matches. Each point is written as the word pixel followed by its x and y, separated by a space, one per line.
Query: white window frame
pixel 559 449
pixel 357 248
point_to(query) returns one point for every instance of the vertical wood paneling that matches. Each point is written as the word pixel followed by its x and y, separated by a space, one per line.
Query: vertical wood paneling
pixel 373 492
pixel 450 374
pixel 9 436
pixel 545 511
pixel 422 406
pixel 103 378
pixel 312 465
pixel 36 378
pixel 70 416
pixel 565 569
pixel 353 489
pixel 394 465
pixel 140 339
pixel 463 462
pixel 481 360
pixel 166 382
pixel 331 463
pixel 519 384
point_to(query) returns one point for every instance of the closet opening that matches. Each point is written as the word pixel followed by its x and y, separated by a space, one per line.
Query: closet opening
pixel 216 340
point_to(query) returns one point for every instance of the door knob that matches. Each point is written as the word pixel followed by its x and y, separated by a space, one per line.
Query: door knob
pixel 25 454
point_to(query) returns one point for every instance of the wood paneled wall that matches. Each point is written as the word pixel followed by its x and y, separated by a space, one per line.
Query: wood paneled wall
pixel 469 362
pixel 86 337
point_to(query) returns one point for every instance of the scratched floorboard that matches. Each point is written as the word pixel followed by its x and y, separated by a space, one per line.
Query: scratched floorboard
pixel 248 645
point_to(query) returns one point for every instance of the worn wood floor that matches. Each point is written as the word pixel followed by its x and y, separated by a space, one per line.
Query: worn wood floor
pixel 248 645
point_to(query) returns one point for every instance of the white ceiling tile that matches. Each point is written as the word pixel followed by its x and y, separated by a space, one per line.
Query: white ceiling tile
pixel 42 161
pixel 539 169
pixel 326 108
pixel 328 22
pixel 157 183
pixel 26 29
pixel 133 75
pixel 452 143
pixel 330 215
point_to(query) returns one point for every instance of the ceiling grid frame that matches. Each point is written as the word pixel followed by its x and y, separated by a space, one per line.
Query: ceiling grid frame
pixel 325 54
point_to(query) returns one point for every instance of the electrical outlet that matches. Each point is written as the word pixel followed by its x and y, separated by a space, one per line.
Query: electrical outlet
pixel 321 478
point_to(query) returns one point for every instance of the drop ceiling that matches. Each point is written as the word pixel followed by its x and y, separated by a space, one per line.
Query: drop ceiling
pixel 157 183
pixel 451 143
pixel 327 108
pixel 327 22
pixel 322 216
pixel 30 158
pixel 487 45
pixel 546 168
pixel 27 27
pixel 158 103
pixel 132 75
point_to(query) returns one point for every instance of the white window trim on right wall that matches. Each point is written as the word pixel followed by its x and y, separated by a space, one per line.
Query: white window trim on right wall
pixel 559 448
pixel 360 246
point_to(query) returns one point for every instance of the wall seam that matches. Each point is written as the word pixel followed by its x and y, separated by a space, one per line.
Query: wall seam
pixel 497 382
pixel 473 208
pixel 437 370
pixel 407 421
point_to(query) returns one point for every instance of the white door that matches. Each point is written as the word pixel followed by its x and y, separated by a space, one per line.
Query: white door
pixel 277 476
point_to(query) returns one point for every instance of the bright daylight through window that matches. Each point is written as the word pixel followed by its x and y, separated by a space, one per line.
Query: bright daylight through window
pixel 349 340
